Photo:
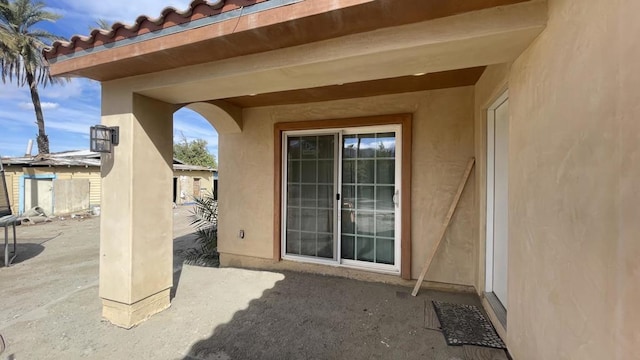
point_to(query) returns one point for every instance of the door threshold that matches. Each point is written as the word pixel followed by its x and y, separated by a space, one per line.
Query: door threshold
pixel 335 264
pixel 498 309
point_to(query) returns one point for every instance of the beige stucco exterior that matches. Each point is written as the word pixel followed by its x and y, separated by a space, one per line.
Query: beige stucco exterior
pixel 574 140
pixel 573 268
pixel 135 240
pixel 442 145
pixel 574 264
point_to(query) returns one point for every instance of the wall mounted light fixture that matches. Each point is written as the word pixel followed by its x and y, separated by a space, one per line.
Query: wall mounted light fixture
pixel 104 138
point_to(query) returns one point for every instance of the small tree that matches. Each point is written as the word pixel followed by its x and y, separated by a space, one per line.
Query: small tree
pixel 194 152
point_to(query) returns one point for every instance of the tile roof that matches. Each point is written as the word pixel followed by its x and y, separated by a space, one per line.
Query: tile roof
pixel 169 17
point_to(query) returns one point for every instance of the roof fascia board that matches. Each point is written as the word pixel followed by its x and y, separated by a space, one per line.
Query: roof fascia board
pixel 233 14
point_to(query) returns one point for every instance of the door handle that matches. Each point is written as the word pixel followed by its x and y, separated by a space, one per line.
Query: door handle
pixel 396 198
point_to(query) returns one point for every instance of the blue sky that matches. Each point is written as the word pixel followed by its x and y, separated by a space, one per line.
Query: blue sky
pixel 70 109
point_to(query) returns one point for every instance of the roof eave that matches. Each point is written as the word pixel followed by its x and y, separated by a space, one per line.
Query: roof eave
pixel 250 31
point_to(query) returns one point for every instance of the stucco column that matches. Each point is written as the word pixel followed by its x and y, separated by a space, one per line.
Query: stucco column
pixel 136 228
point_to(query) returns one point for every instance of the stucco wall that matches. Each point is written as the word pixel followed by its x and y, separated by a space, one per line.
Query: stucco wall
pixel 574 269
pixel 442 144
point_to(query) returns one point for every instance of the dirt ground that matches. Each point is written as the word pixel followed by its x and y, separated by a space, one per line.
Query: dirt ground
pixel 50 309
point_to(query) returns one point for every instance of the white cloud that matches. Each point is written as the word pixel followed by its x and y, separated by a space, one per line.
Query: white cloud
pixel 73 89
pixel 75 118
pixel 25 105
pixel 125 11
pixel 45 105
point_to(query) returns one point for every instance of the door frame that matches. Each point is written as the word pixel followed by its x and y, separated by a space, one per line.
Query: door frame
pixel 404 120
pixel 21 190
pixel 335 261
pixel 490 184
pixel 338 134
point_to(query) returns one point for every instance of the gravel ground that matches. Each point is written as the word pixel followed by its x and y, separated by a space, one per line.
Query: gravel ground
pixel 51 309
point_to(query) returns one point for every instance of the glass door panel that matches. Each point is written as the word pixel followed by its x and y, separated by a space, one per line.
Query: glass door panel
pixel 310 190
pixel 362 228
pixel 368 209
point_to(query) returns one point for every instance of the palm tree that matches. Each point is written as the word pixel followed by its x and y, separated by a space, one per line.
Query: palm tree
pixel 21 56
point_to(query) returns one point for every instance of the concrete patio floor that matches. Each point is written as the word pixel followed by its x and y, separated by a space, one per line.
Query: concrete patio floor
pixel 51 310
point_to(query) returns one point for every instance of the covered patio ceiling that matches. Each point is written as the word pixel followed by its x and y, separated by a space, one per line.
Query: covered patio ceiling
pixel 296 51
pixel 411 83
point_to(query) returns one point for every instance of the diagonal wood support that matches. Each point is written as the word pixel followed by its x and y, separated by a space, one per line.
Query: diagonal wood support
pixel 445 225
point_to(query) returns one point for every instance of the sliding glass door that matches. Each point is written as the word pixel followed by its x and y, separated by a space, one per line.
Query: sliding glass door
pixel 310 204
pixel 341 197
pixel 368 210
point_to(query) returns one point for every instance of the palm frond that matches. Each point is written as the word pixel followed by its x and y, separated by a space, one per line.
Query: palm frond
pixel 204 218
pixel 20 45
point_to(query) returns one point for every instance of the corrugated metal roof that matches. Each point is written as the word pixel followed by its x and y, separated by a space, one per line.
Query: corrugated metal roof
pixel 191 167
pixel 77 153
pixel 80 158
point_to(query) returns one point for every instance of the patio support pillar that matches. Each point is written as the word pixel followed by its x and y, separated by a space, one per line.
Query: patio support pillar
pixel 136 228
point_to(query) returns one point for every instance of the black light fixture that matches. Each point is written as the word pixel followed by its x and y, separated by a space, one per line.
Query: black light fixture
pixel 104 138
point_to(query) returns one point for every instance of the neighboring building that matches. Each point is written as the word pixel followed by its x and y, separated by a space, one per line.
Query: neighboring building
pixel 191 181
pixel 70 181
pixel 395 96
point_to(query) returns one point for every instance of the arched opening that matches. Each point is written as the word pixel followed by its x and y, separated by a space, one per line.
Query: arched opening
pixel 195 179
pixel 190 124
pixel 223 116
pixel 195 152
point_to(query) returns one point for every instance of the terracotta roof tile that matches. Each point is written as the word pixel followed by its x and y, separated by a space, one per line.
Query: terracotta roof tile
pixel 169 17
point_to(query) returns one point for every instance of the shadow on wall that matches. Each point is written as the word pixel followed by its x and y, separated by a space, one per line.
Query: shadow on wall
pixel 306 316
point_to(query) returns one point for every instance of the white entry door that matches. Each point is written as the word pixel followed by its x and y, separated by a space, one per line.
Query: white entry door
pixel 498 199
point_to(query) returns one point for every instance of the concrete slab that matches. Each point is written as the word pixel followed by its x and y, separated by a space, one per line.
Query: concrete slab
pixel 51 310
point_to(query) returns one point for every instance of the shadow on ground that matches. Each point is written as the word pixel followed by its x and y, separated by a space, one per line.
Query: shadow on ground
pixel 320 317
pixel 180 245
pixel 26 251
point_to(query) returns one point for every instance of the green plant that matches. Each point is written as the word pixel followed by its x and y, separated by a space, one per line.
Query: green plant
pixel 204 218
